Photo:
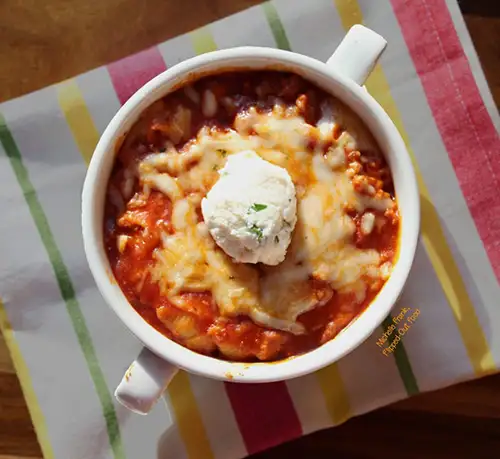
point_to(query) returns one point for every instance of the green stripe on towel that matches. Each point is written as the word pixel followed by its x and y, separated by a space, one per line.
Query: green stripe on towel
pixel 276 26
pixel 65 286
pixel 402 361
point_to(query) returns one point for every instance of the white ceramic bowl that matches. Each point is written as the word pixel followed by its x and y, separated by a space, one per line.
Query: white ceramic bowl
pixel 342 76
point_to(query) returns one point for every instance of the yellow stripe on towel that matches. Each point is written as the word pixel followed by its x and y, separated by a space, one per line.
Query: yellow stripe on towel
pixel 26 385
pixel 188 418
pixel 202 40
pixel 78 118
pixel 336 398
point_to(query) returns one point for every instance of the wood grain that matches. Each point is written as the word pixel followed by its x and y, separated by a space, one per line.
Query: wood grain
pixel 407 435
pixel 485 33
pixel 45 42
pixel 6 366
pixel 17 435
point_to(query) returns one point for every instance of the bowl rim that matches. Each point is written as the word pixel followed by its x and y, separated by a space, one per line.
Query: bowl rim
pixel 379 124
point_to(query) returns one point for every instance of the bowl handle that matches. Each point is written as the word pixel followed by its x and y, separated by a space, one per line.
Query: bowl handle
pixel 144 382
pixel 357 53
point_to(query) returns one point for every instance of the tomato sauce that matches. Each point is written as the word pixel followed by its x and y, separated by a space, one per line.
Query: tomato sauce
pixel 141 219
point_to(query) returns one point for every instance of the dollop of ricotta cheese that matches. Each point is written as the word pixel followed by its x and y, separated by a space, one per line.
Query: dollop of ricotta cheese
pixel 251 211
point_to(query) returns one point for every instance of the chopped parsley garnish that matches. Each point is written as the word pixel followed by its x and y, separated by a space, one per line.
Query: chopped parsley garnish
pixel 276 240
pixel 254 229
pixel 221 151
pixel 258 207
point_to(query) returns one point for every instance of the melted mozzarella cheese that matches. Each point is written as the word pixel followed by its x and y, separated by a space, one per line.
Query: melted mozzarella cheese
pixel 321 246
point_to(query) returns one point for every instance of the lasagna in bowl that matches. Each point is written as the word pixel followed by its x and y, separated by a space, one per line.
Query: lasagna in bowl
pixel 250 216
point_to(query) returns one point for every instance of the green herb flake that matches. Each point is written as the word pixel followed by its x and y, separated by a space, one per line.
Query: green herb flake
pixel 221 151
pixel 254 229
pixel 215 167
pixel 276 240
pixel 258 207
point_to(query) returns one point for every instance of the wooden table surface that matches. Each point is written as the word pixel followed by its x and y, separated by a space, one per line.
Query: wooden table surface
pixel 45 42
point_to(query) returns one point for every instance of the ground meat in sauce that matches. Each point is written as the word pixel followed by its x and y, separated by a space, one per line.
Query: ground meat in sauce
pixel 139 220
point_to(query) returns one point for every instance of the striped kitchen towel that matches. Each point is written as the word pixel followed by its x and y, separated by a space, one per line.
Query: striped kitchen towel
pixel 69 349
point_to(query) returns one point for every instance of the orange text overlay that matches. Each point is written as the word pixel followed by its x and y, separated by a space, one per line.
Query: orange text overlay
pixel 399 327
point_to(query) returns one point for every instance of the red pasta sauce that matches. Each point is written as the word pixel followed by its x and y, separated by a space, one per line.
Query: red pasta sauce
pixel 144 217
